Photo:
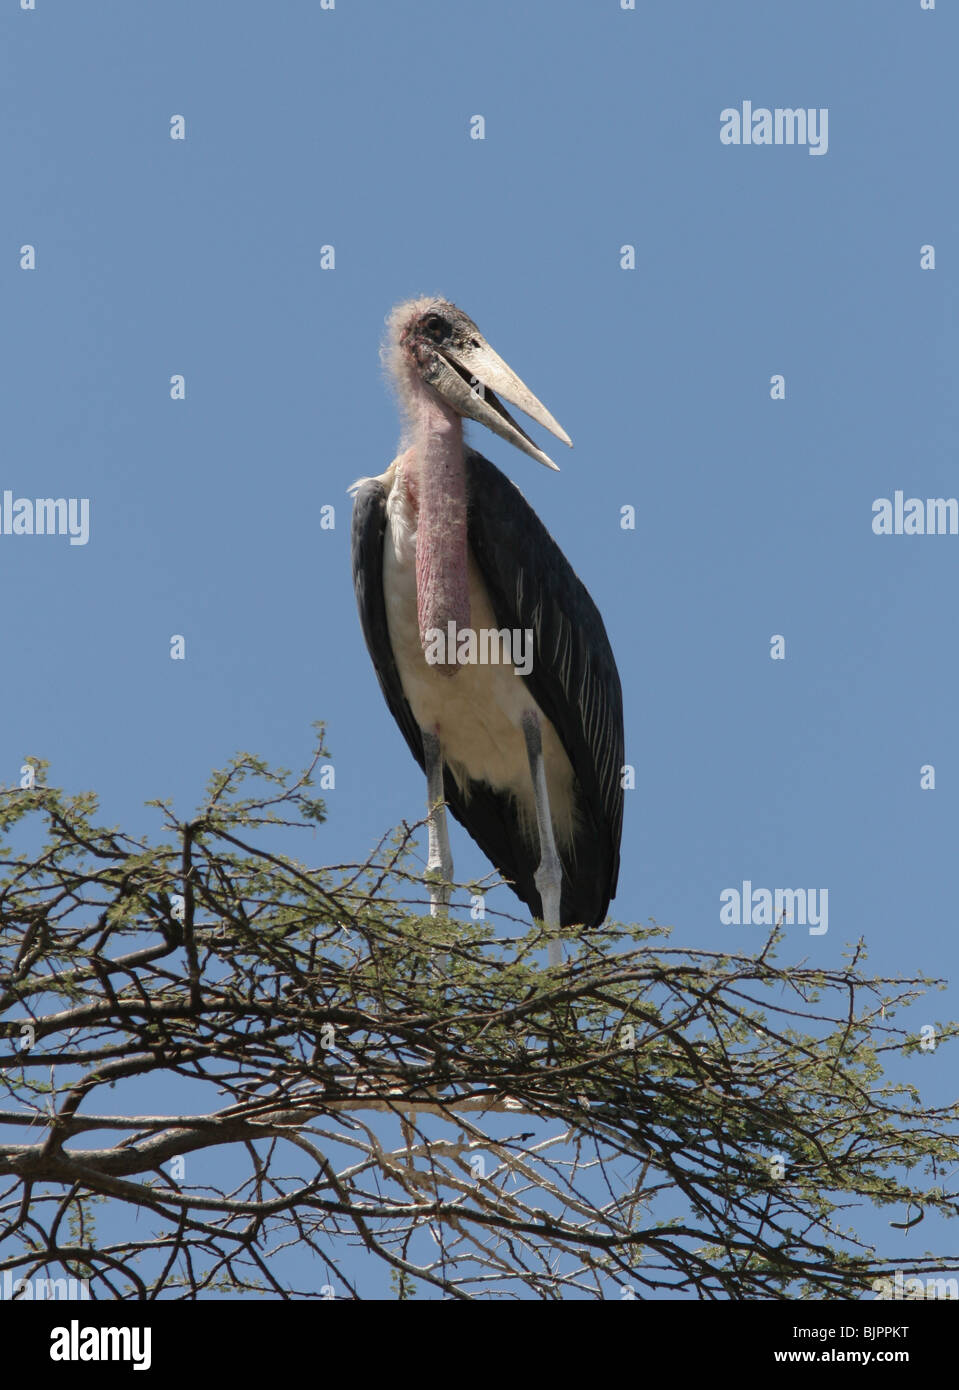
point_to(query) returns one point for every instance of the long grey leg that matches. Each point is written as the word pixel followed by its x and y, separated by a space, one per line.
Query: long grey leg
pixel 549 876
pixel 439 865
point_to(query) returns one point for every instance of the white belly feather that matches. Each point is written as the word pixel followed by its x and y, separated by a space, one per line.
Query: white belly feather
pixel 478 710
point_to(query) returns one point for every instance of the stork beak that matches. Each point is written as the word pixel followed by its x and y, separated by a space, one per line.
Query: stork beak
pixel 471 376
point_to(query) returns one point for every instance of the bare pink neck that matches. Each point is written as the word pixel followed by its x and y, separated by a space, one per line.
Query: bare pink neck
pixel 442 585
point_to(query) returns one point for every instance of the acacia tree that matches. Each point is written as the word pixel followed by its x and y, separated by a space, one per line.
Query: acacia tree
pixel 643 1118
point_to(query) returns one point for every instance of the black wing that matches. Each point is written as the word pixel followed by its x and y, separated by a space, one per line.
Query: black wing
pixel 573 680
pixel 573 677
pixel 369 528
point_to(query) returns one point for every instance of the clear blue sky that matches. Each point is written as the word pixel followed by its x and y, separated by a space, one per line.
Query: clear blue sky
pixel 753 517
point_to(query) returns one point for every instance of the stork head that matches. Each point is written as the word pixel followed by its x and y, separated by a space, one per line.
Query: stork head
pixel 433 342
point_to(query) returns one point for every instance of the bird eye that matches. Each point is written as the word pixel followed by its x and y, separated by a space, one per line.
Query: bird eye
pixel 437 327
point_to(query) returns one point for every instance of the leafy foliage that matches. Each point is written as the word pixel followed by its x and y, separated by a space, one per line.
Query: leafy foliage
pixel 643 1118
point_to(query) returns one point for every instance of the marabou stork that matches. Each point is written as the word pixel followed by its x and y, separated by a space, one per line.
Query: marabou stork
pixel 445 545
